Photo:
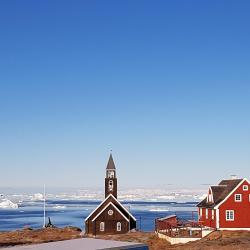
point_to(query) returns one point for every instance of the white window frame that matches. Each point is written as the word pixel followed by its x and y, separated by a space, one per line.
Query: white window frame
pixel 102 226
pixel 245 187
pixel 229 215
pixel 111 185
pixel 201 209
pixel 212 214
pixel 110 212
pixel 206 213
pixel 118 226
pixel 236 199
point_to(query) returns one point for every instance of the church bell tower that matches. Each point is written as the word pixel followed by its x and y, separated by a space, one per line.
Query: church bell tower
pixel 110 180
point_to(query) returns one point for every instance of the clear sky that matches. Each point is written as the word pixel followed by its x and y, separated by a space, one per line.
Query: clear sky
pixel 164 84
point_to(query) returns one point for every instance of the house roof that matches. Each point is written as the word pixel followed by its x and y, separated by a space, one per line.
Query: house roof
pixel 111 164
pixel 220 192
pixel 167 217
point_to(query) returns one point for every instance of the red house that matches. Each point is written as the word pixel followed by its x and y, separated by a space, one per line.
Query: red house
pixel 163 223
pixel 227 206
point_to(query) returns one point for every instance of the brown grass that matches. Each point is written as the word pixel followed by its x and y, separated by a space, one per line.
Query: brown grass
pixel 28 236
pixel 225 240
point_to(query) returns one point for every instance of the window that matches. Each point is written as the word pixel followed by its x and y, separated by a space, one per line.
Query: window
pixel 110 185
pixel 206 213
pixel 245 187
pixel 110 212
pixel 212 214
pixel 111 174
pixel 201 211
pixel 118 226
pixel 102 226
pixel 230 215
pixel 237 198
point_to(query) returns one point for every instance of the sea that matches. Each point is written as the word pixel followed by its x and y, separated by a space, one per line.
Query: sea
pixel 18 211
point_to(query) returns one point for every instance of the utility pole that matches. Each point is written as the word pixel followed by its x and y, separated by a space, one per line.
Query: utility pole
pixel 44 206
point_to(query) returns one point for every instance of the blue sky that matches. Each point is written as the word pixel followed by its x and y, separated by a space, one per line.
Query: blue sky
pixel 164 84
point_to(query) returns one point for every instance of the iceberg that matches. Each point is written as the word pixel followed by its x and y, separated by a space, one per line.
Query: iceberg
pixel 8 204
pixel 37 197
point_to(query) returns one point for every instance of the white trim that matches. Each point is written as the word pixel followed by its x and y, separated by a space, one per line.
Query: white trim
pixel 217 212
pixel 98 206
pixel 110 203
pixel 206 213
pixel 240 196
pixel 130 215
pixel 228 218
pixel 235 228
pixel 212 214
pixel 212 195
pixel 245 179
pixel 117 202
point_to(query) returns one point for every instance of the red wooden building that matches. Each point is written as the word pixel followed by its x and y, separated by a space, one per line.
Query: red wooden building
pixel 162 223
pixel 227 206
pixel 110 217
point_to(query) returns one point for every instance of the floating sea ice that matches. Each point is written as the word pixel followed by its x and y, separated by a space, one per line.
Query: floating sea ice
pixel 37 197
pixel 59 207
pixel 8 204
pixel 158 210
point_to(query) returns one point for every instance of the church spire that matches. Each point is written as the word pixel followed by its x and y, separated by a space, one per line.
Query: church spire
pixel 111 164
pixel 110 180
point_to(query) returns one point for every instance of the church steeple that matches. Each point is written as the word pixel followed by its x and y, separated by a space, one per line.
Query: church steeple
pixel 111 164
pixel 110 180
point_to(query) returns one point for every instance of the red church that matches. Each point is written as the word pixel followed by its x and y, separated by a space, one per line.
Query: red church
pixel 110 217
pixel 227 206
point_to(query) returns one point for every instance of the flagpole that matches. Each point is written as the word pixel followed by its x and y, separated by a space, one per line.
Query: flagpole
pixel 44 207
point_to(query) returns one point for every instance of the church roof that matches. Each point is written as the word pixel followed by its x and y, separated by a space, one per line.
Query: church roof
pixel 115 203
pixel 111 164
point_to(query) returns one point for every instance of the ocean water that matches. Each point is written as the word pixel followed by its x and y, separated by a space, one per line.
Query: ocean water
pixel 73 212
